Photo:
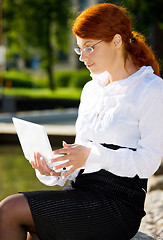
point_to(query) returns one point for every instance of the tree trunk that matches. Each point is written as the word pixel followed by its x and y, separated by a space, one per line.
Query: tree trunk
pixel 50 70
pixel 50 52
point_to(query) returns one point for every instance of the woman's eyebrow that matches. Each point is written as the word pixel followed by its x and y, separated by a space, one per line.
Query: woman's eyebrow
pixel 84 43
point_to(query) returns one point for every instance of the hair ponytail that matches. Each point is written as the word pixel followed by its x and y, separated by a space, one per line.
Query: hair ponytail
pixel 103 21
pixel 141 53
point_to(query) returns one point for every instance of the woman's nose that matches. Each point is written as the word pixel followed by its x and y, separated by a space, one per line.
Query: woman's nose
pixel 83 56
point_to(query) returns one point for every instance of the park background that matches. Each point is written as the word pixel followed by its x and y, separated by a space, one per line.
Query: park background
pixel 41 80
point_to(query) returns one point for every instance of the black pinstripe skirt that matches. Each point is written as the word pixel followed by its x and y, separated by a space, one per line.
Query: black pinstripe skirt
pixel 98 205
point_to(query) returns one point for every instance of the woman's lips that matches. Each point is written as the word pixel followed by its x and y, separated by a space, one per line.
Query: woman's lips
pixel 89 65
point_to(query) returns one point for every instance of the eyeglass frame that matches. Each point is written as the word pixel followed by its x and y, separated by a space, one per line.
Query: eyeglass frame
pixel 84 49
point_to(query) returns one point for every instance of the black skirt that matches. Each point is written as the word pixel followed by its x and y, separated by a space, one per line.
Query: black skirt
pixel 98 205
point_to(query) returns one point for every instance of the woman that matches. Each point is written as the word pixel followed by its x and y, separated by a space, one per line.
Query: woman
pixel 119 142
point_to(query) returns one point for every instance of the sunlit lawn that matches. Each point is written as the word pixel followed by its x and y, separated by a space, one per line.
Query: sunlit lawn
pixel 64 93
pixel 16 173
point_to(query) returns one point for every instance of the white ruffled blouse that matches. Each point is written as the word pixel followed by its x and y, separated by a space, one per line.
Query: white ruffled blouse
pixel 127 113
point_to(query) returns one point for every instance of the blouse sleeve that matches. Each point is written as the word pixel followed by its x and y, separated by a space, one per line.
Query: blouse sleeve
pixel 147 158
pixel 55 180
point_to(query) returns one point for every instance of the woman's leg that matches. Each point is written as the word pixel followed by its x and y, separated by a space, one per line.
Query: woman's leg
pixel 15 218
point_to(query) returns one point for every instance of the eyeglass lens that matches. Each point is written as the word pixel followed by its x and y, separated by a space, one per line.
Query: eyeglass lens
pixel 87 50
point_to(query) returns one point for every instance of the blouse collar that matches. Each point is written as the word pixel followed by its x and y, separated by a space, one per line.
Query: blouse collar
pixel 102 78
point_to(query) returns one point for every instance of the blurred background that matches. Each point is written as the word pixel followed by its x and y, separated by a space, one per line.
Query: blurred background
pixel 37 60
pixel 41 78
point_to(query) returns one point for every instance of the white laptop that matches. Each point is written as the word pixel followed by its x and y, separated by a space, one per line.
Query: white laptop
pixel 33 138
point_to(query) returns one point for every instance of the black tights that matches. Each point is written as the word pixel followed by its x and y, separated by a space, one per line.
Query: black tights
pixel 16 222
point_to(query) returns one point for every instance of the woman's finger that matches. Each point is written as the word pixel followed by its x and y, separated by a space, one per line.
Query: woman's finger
pixel 62 166
pixel 44 166
pixel 32 163
pixel 40 164
pixel 37 160
pixel 62 150
pixel 60 158
pixel 67 145
pixel 68 148
pixel 45 170
pixel 67 173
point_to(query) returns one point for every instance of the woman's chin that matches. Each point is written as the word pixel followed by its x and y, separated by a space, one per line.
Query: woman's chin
pixel 94 71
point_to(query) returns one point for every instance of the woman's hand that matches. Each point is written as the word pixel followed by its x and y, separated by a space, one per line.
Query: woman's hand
pixel 39 163
pixel 76 154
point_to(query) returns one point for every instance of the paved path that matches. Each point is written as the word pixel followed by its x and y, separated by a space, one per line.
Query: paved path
pixel 67 130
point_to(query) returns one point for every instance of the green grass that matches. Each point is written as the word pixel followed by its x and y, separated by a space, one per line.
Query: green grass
pixel 60 93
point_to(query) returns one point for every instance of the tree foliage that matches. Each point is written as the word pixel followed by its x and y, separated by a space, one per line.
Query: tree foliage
pixel 39 25
pixel 146 12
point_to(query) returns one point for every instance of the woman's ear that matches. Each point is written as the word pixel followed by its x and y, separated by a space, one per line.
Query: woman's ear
pixel 117 40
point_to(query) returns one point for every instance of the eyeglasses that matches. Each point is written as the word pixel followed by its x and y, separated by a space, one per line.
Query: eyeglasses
pixel 87 50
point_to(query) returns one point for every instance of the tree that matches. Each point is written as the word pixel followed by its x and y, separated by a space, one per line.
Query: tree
pixel 40 25
pixel 146 12
pixel 148 19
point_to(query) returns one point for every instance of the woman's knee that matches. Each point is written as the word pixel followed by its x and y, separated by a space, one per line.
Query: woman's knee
pixel 7 206
pixel 9 201
pixel 14 208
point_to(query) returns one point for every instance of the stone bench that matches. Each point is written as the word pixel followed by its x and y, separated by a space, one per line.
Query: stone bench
pixel 142 236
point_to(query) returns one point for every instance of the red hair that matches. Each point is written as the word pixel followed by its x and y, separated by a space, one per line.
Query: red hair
pixel 103 21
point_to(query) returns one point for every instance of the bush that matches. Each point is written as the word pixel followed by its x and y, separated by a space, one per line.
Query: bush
pixel 76 79
pixel 18 80
pixel 80 78
pixel 63 78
